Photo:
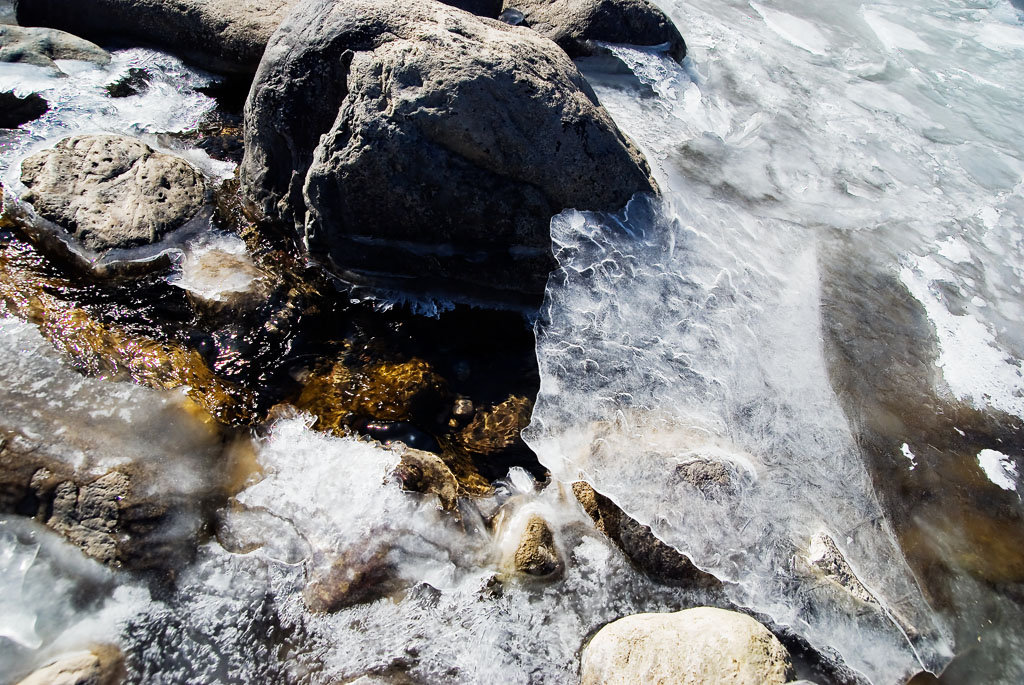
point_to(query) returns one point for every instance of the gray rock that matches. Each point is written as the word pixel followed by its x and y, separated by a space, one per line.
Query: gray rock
pixel 112 191
pixel 702 645
pixel 99 666
pixel 576 24
pixel 536 554
pixel 15 111
pixel 426 143
pixel 41 46
pixel 226 36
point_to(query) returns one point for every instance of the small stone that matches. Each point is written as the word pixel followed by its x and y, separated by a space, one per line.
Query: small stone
pixel 537 554
pixel 420 471
pixel 691 647
pixel 826 557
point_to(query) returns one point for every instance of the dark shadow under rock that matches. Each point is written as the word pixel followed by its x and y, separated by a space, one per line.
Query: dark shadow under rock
pixel 15 111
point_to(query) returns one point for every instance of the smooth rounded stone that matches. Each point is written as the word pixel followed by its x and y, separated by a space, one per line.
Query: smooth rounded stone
pixel 415 141
pixel 99 666
pixel 15 111
pixel 692 647
pixel 41 46
pixel 226 36
pixel 111 191
pixel 576 24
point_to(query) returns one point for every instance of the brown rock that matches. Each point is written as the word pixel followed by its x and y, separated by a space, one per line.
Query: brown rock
pixel 537 554
pixel 420 471
pixel 662 562
pixel 101 666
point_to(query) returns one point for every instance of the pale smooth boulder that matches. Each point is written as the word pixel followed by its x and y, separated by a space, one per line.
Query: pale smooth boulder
pixel 701 646
pixel 112 191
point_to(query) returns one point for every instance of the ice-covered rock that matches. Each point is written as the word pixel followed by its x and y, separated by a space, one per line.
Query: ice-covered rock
pixel 412 144
pixel 576 25
pixel 691 647
pixel 537 554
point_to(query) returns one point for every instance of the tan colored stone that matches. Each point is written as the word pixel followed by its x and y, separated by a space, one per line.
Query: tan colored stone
pixel 100 666
pixel 701 646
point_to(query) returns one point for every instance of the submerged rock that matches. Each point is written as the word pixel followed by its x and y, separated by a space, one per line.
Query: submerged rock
pixel 659 560
pixel 15 111
pixel 112 191
pixel 99 666
pixel 420 471
pixel 498 428
pixel 536 554
pixel 424 148
pixel 576 24
pixel 691 647
pixel 41 46
pixel 355 576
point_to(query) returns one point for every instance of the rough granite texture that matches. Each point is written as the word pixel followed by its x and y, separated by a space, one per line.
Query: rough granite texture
pixel 225 36
pixel 112 191
pixel 692 647
pixel 425 141
pixel 575 24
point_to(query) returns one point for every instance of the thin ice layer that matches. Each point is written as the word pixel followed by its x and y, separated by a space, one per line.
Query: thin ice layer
pixel 452 609
pixel 665 345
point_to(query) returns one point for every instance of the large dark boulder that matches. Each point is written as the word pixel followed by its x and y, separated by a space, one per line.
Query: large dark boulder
pixel 226 36
pixel 423 142
pixel 576 24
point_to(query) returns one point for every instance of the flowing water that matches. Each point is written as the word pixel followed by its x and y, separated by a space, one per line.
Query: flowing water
pixel 826 302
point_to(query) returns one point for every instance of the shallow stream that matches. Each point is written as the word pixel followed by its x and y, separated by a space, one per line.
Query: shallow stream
pixel 827 300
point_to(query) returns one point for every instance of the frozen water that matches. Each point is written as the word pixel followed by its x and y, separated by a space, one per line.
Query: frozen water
pixel 691 328
pixel 999 468
pixel 216 266
pixel 79 104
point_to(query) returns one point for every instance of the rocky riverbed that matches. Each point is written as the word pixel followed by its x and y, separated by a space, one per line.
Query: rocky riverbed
pixel 350 341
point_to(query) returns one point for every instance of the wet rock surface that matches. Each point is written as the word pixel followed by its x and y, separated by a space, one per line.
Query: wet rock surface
pixel 577 24
pixel 112 191
pixel 437 164
pixel 41 46
pixel 15 110
pixel 702 645
pixel 662 562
